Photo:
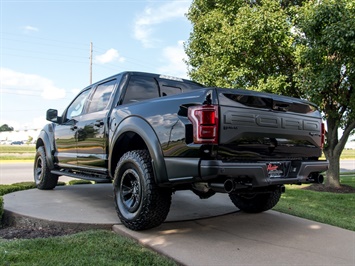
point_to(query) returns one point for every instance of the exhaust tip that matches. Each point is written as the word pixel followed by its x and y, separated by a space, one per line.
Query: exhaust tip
pixel 320 179
pixel 316 178
pixel 229 185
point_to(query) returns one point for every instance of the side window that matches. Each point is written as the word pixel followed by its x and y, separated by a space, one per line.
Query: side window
pixel 141 88
pixel 169 90
pixel 101 96
pixel 77 106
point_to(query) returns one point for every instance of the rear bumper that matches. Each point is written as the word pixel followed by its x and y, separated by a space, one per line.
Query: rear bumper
pixel 258 173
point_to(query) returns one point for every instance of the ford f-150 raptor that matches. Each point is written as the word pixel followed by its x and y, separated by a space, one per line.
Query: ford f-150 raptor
pixel 151 135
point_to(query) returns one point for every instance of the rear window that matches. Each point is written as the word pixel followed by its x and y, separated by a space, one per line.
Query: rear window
pixel 170 87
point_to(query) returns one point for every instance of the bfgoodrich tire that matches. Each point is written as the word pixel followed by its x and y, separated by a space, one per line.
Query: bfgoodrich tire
pixel 139 202
pixel 42 174
pixel 255 203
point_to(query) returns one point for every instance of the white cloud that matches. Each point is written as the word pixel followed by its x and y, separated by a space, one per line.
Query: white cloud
pixel 143 25
pixel 109 56
pixel 30 28
pixel 29 84
pixel 38 122
pixel 174 56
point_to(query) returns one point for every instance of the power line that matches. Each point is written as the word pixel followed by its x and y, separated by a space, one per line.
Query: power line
pixel 78 46
pixel 41 52
pixel 41 58
pixel 41 38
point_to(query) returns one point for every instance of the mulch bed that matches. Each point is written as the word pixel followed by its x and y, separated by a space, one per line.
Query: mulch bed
pixel 323 188
pixel 11 232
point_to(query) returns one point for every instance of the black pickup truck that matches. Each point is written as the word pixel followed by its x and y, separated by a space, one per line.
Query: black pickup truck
pixel 151 135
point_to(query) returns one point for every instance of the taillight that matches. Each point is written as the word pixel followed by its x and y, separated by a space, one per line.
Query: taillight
pixel 204 120
pixel 322 136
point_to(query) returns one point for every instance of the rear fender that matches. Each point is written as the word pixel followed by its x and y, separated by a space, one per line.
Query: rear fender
pixel 143 129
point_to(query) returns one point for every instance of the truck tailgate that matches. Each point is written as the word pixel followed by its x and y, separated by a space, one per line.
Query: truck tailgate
pixel 261 126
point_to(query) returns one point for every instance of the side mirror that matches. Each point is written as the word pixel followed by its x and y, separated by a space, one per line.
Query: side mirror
pixel 52 115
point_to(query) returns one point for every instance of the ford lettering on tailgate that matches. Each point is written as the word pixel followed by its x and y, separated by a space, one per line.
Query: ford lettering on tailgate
pixel 270 120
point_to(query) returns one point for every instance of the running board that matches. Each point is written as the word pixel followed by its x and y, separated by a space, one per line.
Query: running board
pixel 81 176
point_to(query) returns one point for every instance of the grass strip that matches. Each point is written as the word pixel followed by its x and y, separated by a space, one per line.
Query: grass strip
pixel 17 148
pixel 97 247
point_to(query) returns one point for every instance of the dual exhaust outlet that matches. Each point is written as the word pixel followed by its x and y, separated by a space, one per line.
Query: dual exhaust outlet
pixel 227 187
pixel 230 185
pixel 316 178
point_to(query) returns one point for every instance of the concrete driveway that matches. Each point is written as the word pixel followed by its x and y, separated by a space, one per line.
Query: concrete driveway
pixel 197 232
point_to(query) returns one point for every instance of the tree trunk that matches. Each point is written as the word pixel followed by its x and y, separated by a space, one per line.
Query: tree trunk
pixel 333 149
pixel 333 178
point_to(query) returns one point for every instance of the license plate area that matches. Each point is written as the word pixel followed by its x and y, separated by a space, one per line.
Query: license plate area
pixel 277 169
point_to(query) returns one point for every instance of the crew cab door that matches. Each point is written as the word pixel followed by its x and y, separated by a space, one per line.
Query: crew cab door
pixel 92 128
pixel 66 132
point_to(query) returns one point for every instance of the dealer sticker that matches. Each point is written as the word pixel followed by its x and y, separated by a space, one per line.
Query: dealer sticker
pixel 275 169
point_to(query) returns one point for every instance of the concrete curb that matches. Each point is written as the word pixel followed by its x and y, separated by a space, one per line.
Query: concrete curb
pixel 18 220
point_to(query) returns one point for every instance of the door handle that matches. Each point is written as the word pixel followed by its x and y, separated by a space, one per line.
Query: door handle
pixel 99 123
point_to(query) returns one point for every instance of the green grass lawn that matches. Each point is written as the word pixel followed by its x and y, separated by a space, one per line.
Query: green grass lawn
pixel 331 208
pixel 87 248
pixel 348 154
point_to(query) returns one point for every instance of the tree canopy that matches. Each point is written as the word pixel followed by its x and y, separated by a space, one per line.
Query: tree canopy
pixel 238 44
pixel 325 56
pixel 296 48
pixel 5 127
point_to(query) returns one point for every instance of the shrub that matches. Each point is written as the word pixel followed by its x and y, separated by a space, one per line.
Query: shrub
pixel 5 189
pixel 79 182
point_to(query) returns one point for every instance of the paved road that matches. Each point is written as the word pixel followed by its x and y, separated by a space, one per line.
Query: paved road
pixel 11 172
pixel 347 165
pixel 19 172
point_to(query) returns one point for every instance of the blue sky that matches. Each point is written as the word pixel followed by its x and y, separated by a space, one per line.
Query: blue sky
pixel 45 48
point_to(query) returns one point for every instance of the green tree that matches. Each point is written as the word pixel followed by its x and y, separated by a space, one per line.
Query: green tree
pixel 5 127
pixel 29 140
pixel 326 59
pixel 296 48
pixel 242 44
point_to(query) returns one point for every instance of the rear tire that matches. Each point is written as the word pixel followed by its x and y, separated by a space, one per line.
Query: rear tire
pixel 43 177
pixel 256 202
pixel 140 203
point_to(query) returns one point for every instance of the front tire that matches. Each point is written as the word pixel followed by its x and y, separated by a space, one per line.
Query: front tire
pixel 256 202
pixel 42 174
pixel 140 203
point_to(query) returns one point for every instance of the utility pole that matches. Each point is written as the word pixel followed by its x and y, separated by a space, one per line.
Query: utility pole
pixel 90 63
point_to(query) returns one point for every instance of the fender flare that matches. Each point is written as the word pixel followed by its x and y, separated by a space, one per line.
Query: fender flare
pixel 142 128
pixel 46 135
